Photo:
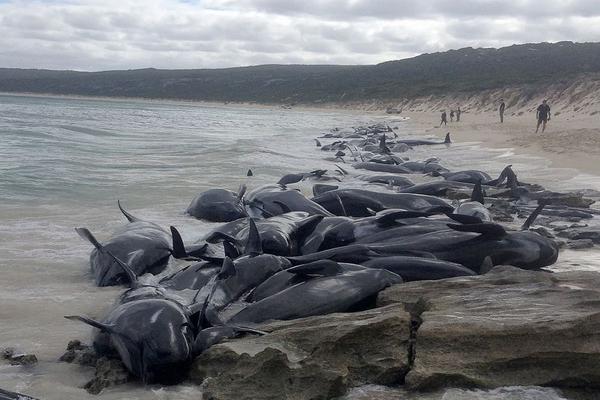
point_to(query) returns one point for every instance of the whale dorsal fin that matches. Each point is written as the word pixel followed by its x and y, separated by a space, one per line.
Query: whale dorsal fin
pixel 485 228
pixel 84 233
pixel 477 194
pixel 486 265
pixel 230 250
pixel 178 246
pixel 447 139
pixel 227 269
pixel 249 173
pixel 127 215
pixel 253 244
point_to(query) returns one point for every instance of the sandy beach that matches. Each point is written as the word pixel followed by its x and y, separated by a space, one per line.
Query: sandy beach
pixel 569 141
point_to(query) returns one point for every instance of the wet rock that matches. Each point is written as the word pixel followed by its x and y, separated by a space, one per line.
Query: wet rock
pixel 457 194
pixel 26 360
pixel 505 328
pixel 580 244
pixel 311 358
pixel 8 353
pixel 6 395
pixel 542 231
pixel 14 358
pixel 80 354
pixel 109 372
pixel 568 200
pixel 558 227
pixel 579 234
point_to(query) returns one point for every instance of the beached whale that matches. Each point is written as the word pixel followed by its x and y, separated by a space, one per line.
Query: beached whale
pixel 153 337
pixel 419 268
pixel 218 205
pixel 323 294
pixel 145 246
pixel 343 201
pixel 423 142
pixel 279 235
pixel 378 167
pixel 470 244
pixel 270 200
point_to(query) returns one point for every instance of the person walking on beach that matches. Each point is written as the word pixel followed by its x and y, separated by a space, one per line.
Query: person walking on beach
pixel 458 114
pixel 444 120
pixel 543 116
pixel 501 110
pixel 451 115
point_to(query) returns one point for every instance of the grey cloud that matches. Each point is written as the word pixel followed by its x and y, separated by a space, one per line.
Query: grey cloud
pixel 121 34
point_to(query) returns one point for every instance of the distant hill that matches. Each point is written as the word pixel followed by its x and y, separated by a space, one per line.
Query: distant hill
pixel 463 70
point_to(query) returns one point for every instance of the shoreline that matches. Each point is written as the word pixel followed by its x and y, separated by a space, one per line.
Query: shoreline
pixel 557 144
pixel 477 125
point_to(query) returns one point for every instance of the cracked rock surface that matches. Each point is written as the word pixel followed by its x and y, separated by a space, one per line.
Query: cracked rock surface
pixel 309 358
pixel 508 327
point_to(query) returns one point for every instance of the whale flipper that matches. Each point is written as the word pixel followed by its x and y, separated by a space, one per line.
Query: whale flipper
pixel 531 219
pixel 89 321
pixel 128 270
pixel 84 233
pixel 485 228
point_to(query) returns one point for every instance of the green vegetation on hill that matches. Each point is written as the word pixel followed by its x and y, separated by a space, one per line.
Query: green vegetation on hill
pixel 461 70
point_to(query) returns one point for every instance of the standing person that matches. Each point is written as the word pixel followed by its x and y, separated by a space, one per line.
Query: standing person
pixel 458 114
pixel 444 120
pixel 501 110
pixel 543 116
pixel 451 115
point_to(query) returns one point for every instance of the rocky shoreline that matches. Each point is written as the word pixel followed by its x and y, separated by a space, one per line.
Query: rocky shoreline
pixel 507 327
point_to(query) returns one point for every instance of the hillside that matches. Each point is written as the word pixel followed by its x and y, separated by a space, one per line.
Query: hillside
pixel 465 70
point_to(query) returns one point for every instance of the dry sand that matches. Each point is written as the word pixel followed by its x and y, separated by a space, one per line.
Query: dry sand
pixel 569 141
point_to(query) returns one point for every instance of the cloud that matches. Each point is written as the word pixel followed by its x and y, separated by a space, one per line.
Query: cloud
pixel 123 34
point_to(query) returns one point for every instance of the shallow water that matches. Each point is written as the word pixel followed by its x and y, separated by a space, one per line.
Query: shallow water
pixel 65 162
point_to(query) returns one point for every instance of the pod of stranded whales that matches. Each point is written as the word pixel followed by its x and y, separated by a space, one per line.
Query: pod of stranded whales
pixel 281 255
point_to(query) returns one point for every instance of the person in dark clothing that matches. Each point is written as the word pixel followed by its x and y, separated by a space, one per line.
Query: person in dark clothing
pixel 451 115
pixel 458 114
pixel 501 110
pixel 543 116
pixel 444 120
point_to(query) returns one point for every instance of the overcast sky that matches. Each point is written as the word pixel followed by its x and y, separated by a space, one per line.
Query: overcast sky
pixel 121 34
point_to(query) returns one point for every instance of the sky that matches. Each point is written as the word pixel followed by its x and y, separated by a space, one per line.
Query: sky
pixel 93 35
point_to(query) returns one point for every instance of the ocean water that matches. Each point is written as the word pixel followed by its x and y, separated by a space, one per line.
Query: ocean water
pixel 65 162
